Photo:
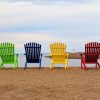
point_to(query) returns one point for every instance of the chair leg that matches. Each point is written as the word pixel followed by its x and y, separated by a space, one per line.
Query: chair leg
pixel 40 64
pixel 2 65
pixel 98 64
pixel 81 64
pixel 84 66
pixel 66 66
pixel 25 66
pixel 15 65
pixel 51 66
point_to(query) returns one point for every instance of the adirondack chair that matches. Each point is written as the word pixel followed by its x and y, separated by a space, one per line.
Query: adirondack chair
pixel 92 52
pixel 33 53
pixel 7 54
pixel 58 54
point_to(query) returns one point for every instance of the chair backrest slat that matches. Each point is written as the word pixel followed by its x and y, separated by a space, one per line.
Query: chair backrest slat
pixel 58 48
pixel 92 51
pixel 7 52
pixel 33 51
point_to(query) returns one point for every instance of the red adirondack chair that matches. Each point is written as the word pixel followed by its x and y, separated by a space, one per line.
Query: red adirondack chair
pixel 91 55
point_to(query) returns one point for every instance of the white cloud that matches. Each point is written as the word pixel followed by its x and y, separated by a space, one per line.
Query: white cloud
pixel 31 37
pixel 26 37
pixel 19 39
pixel 76 20
pixel 21 13
pixel 43 1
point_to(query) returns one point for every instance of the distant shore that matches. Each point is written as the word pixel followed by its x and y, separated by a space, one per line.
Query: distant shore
pixel 75 55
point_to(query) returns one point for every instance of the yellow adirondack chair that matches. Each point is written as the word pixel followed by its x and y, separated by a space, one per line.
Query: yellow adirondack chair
pixel 58 54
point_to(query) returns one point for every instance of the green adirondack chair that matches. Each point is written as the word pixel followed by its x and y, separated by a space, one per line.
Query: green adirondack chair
pixel 8 55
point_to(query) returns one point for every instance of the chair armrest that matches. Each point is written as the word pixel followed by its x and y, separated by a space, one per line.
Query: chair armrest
pixel 82 55
pixel 16 54
pixel 67 54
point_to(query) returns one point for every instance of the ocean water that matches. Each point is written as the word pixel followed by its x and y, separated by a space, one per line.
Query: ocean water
pixel 46 62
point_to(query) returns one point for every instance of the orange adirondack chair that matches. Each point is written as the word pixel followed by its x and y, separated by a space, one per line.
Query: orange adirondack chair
pixel 58 54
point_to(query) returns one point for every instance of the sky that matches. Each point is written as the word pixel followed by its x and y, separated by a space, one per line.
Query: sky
pixel 74 22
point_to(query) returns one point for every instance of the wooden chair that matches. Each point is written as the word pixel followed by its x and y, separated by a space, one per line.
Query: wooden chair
pixel 58 54
pixel 92 52
pixel 7 54
pixel 33 53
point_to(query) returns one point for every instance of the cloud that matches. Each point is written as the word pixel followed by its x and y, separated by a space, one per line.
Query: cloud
pixel 26 37
pixel 52 1
pixel 22 16
pixel 74 23
pixel 19 39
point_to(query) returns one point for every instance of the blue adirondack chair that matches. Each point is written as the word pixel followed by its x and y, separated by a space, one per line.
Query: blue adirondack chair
pixel 33 53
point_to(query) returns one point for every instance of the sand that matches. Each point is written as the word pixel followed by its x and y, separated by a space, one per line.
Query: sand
pixel 43 84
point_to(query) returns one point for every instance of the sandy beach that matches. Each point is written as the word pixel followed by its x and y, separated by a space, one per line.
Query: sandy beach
pixel 43 84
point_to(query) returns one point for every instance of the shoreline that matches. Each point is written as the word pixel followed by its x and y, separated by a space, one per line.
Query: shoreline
pixel 48 68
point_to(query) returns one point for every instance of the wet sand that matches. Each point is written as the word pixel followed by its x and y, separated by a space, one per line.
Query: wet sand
pixel 43 84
